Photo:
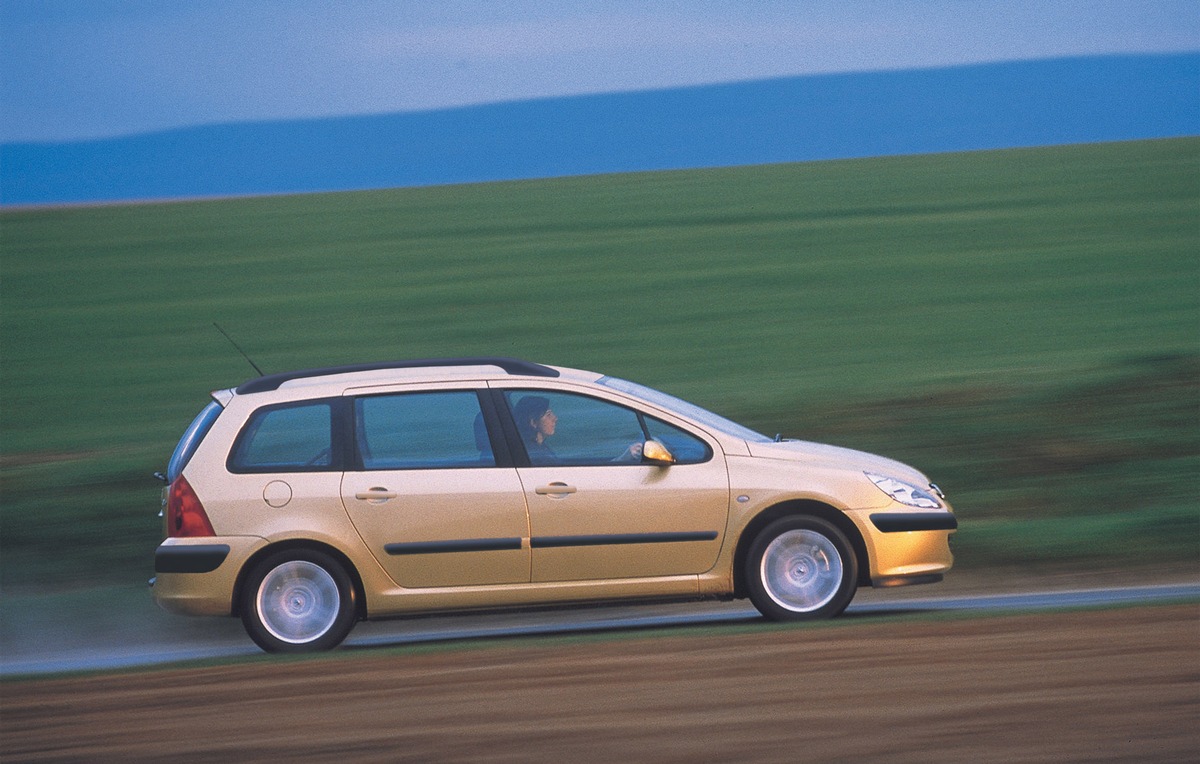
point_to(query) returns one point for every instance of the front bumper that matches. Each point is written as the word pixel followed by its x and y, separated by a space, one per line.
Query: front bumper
pixel 905 546
pixel 908 522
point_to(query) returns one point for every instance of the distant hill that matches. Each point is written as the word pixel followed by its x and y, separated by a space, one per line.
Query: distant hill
pixel 1032 103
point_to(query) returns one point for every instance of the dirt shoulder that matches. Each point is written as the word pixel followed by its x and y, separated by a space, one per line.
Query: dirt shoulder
pixel 1111 685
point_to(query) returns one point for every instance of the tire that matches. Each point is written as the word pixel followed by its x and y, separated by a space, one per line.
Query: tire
pixel 801 568
pixel 298 601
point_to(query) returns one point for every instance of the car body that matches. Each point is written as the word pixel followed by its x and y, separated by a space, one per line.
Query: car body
pixel 303 502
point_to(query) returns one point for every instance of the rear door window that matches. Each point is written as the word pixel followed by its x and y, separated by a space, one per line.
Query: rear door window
pixel 422 431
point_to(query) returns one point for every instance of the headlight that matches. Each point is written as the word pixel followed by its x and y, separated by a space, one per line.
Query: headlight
pixel 905 493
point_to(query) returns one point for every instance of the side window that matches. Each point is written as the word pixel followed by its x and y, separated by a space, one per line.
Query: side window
pixel 435 430
pixel 191 439
pixel 685 447
pixel 291 437
pixel 562 428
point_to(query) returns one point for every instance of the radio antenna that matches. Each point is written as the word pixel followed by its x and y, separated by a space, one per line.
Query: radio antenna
pixel 239 349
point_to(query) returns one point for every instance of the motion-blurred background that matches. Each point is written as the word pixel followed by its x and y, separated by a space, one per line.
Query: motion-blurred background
pixel 993 272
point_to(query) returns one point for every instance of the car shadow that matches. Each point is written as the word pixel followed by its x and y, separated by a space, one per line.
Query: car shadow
pixel 447 630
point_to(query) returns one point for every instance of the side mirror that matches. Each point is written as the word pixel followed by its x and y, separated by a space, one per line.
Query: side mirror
pixel 654 452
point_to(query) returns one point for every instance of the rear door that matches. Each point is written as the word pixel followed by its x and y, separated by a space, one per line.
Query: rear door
pixel 432 493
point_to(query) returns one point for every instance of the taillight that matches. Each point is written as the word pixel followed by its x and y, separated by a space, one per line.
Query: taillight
pixel 185 513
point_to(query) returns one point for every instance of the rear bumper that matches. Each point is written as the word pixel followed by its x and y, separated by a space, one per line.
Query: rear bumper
pixel 198 576
pixel 200 558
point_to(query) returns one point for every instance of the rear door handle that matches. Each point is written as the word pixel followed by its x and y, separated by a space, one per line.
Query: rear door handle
pixel 554 489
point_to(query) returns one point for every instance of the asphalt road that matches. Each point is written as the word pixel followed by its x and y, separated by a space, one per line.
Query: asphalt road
pixel 193 639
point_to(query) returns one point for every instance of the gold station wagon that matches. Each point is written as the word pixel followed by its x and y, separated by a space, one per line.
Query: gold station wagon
pixel 306 501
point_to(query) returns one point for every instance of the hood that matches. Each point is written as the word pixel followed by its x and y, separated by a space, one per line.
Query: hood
pixel 836 457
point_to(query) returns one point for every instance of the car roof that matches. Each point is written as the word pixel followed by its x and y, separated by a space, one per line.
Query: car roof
pixel 481 366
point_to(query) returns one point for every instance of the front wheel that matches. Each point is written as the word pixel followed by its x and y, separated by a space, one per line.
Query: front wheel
pixel 298 601
pixel 801 568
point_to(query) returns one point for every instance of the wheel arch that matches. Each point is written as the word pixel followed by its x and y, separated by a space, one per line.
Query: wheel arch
pixel 360 599
pixel 799 507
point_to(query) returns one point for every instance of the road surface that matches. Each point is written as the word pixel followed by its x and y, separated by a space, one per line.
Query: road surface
pixel 1043 682
pixel 163 639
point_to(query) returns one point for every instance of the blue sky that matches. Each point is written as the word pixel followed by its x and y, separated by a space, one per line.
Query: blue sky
pixel 75 69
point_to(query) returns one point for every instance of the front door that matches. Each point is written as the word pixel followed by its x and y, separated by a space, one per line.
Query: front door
pixel 596 511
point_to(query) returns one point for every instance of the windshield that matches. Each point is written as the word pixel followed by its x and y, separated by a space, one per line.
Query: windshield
pixel 191 439
pixel 690 410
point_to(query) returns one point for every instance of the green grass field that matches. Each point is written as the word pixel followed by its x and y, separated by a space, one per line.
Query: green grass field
pixel 1023 325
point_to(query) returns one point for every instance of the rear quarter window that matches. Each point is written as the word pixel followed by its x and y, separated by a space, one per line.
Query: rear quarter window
pixel 286 438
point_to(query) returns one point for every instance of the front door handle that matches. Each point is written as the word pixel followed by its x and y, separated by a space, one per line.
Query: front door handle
pixel 554 489
pixel 376 495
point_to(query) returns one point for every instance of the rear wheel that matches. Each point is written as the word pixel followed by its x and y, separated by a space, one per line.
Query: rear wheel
pixel 298 601
pixel 801 568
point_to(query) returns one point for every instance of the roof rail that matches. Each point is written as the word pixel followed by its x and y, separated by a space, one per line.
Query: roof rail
pixel 509 365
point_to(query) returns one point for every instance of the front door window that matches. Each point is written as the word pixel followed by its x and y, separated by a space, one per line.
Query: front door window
pixel 567 429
